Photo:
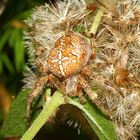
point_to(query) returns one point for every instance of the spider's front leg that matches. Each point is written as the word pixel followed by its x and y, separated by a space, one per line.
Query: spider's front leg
pixel 37 89
pixel 41 66
pixel 40 63
pixel 40 50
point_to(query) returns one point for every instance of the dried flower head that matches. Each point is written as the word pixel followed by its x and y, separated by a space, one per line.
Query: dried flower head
pixel 116 69
pixel 117 56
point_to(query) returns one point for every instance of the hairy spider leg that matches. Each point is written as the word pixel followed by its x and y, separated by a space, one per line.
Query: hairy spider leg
pixel 92 95
pixel 41 65
pixel 37 89
pixel 86 87
pixel 39 51
pixel 80 94
pixel 59 85
pixel 42 68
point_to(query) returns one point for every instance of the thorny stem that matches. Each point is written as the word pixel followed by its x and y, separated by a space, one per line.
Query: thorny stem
pixel 96 22
pixel 48 110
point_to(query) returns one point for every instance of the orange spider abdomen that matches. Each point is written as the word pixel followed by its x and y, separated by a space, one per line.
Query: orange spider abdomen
pixel 69 55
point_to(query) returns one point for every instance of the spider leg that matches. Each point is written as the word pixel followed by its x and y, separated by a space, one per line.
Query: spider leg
pixel 41 66
pixel 38 87
pixel 39 51
pixel 39 62
pixel 74 89
pixel 80 95
pixel 59 85
pixel 84 84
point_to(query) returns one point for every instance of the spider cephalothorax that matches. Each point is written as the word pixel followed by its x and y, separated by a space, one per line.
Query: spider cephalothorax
pixel 66 60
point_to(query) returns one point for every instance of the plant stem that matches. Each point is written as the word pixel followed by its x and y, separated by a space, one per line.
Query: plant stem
pixel 48 110
pixel 97 20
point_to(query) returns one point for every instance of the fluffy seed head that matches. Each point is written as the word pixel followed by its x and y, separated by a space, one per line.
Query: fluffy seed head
pixel 116 69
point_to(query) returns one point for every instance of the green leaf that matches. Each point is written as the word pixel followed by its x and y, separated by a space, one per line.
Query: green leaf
pixel 48 110
pixel 24 14
pixel 79 28
pixel 7 62
pixel 101 125
pixel 1 66
pixel 15 123
pixel 13 37
pixel 19 50
pixel 4 38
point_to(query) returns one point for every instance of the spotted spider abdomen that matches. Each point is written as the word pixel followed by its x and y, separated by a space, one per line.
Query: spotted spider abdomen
pixel 69 55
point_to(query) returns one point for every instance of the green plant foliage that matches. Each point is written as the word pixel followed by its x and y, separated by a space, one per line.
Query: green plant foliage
pixel 15 123
pixel 13 39
pixel 48 110
pixel 99 122
pixel 12 50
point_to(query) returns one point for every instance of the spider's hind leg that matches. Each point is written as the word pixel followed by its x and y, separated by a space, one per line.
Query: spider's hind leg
pixel 37 89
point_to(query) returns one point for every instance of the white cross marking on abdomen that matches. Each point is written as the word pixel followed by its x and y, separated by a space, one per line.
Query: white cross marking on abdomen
pixel 60 62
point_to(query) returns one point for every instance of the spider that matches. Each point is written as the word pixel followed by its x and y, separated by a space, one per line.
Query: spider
pixel 66 67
